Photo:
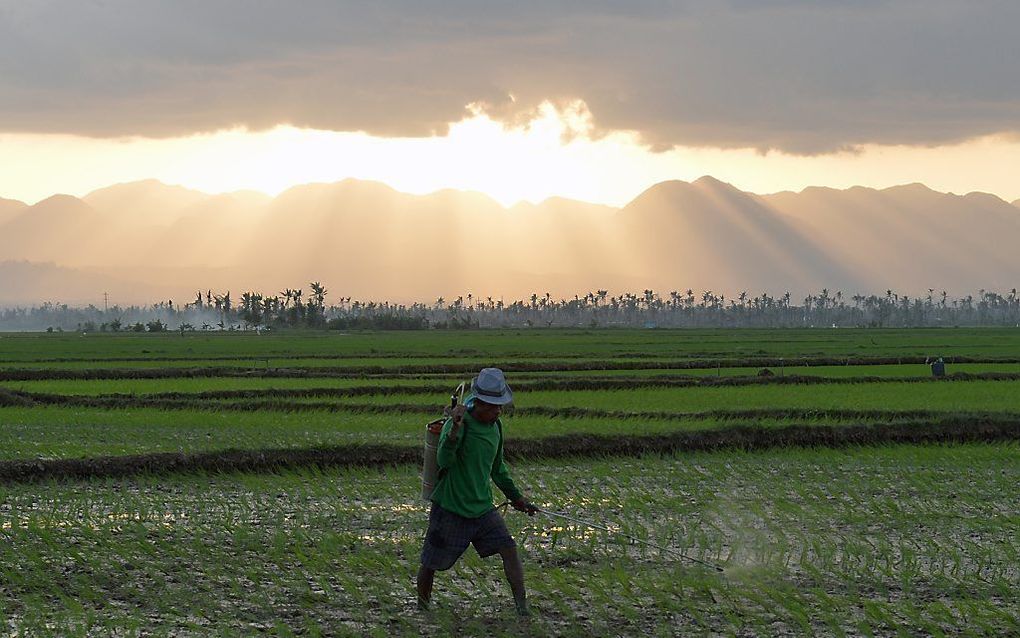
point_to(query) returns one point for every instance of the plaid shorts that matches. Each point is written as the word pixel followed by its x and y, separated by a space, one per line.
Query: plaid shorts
pixel 450 534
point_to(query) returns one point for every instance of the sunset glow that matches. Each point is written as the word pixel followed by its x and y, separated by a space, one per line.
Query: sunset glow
pixel 557 153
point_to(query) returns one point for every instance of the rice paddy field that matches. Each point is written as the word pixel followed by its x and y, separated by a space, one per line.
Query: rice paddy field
pixel 240 484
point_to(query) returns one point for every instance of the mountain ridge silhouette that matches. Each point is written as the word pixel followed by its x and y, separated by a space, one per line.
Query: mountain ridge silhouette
pixel 369 240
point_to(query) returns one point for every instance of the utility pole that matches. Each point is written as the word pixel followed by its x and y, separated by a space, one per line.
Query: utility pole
pixel 106 302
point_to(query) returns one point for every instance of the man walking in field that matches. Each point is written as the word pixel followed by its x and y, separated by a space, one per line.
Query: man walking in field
pixel 470 454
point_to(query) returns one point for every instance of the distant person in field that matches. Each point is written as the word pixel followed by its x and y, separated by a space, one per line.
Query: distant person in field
pixel 470 453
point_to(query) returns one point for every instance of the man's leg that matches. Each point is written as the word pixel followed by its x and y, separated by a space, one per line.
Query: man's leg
pixel 425 578
pixel 446 539
pixel 514 570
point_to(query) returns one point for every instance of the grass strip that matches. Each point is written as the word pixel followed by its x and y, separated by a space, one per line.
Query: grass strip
pixel 175 401
pixel 568 385
pixel 32 374
pixel 737 437
pixel 222 384
pixel 565 385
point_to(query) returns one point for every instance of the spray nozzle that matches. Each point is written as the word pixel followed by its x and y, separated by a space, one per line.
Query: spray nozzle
pixel 458 395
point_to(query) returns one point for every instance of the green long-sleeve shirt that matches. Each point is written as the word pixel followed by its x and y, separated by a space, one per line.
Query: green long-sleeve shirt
pixel 467 463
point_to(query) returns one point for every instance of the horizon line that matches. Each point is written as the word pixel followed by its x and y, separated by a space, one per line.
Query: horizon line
pixel 519 202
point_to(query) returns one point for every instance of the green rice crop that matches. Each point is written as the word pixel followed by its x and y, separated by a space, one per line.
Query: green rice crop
pixel 67 433
pixel 510 344
pixel 56 432
pixel 977 395
pixel 201 384
pixel 963 396
pixel 838 372
pixel 206 384
pixel 243 364
pixel 880 541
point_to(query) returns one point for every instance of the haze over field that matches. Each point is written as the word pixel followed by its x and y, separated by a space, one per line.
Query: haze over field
pixel 146 240
pixel 406 151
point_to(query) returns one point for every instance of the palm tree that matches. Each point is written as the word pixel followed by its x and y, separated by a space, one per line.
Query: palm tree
pixel 318 294
pixel 268 307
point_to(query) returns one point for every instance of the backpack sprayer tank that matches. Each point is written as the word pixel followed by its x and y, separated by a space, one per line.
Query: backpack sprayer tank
pixel 430 466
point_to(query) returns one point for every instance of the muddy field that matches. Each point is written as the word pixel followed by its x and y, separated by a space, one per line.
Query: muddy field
pixel 859 541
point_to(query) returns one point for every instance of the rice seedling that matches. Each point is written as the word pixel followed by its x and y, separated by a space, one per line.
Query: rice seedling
pixel 808 539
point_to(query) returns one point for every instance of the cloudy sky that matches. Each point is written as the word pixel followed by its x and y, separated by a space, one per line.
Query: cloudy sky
pixel 594 100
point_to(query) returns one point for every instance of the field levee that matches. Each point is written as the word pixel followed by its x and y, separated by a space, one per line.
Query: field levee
pixel 746 436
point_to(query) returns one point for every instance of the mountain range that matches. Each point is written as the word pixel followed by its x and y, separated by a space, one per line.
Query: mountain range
pixel 145 241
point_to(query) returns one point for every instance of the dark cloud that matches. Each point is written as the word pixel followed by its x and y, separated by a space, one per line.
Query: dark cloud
pixel 789 74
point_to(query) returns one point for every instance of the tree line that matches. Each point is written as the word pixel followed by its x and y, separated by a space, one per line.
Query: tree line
pixel 293 308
